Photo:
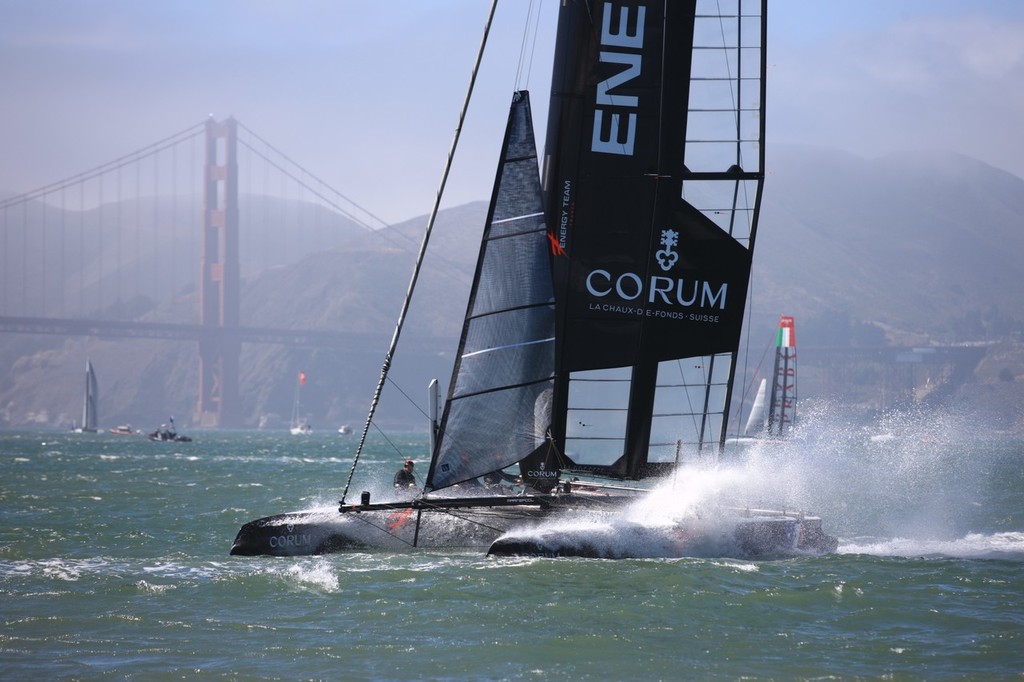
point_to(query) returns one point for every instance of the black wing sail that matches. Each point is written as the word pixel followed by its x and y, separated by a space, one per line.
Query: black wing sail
pixel 498 407
pixel 653 206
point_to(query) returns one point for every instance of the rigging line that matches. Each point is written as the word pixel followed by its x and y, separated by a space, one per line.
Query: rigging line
pixel 746 351
pixel 383 528
pixel 454 514
pixel 409 398
pixel 533 47
pixel 430 504
pixel 389 441
pixel 522 45
pixel 749 387
pixel 423 247
pixel 686 391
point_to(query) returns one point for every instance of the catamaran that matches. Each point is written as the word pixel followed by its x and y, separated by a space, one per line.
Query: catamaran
pixel 600 342
pixel 773 413
pixel 89 402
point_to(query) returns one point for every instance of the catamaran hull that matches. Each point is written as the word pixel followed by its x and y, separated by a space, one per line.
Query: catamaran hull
pixel 559 527
pixel 311 533
pixel 767 535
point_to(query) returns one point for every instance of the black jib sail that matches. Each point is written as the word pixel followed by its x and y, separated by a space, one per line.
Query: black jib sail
pixel 653 181
pixel 499 406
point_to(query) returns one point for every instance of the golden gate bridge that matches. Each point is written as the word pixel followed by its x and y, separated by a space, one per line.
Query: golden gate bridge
pixel 85 255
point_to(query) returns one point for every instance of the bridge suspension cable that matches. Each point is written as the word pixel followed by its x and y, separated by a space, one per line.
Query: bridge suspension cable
pixel 126 160
pixel 319 193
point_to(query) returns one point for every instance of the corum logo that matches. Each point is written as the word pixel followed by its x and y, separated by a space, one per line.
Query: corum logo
pixel 659 291
pixel 667 257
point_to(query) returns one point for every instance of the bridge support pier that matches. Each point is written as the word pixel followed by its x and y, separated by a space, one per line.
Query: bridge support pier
pixel 220 281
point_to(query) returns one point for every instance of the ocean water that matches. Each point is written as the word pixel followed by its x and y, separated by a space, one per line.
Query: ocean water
pixel 114 565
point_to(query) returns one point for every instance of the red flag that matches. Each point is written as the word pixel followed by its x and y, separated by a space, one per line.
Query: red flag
pixel 302 378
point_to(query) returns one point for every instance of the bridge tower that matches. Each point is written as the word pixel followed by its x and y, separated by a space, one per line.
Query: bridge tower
pixel 220 281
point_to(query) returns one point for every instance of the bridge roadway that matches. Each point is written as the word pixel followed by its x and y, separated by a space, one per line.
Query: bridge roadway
pixel 122 329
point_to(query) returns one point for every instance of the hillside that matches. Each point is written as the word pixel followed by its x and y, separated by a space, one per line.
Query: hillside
pixel 927 246
pixel 918 249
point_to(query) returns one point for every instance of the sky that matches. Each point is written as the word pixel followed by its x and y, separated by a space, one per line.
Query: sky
pixel 366 95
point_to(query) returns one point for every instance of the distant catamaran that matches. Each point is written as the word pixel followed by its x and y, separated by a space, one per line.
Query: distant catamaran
pixel 773 413
pixel 782 407
pixel 89 402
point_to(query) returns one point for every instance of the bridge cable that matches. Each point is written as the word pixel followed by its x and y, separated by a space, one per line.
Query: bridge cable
pixel 101 170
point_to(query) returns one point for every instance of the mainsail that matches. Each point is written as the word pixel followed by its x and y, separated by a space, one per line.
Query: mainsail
pixel 498 406
pixel 652 187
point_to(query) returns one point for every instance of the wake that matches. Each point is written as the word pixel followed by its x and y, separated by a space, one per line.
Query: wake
pixel 929 487
pixel 1002 546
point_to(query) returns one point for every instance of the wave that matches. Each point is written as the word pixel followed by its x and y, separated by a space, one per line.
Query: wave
pixel 1004 546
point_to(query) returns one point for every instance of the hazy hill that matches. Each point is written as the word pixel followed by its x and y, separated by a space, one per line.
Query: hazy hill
pixel 911 249
pixel 927 245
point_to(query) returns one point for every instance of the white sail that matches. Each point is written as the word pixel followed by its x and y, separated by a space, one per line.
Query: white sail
pixel 755 422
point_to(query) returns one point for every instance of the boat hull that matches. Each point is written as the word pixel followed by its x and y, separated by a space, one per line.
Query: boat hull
pixel 395 527
pixel 522 526
pixel 764 535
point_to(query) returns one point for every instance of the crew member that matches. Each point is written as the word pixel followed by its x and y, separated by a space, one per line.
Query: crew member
pixel 404 477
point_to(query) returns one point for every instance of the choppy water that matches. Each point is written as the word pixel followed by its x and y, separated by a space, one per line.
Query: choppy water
pixel 114 565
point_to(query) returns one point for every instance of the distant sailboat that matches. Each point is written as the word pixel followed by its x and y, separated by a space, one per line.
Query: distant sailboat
pixel 782 408
pixel 89 403
pixel 774 417
pixel 300 425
